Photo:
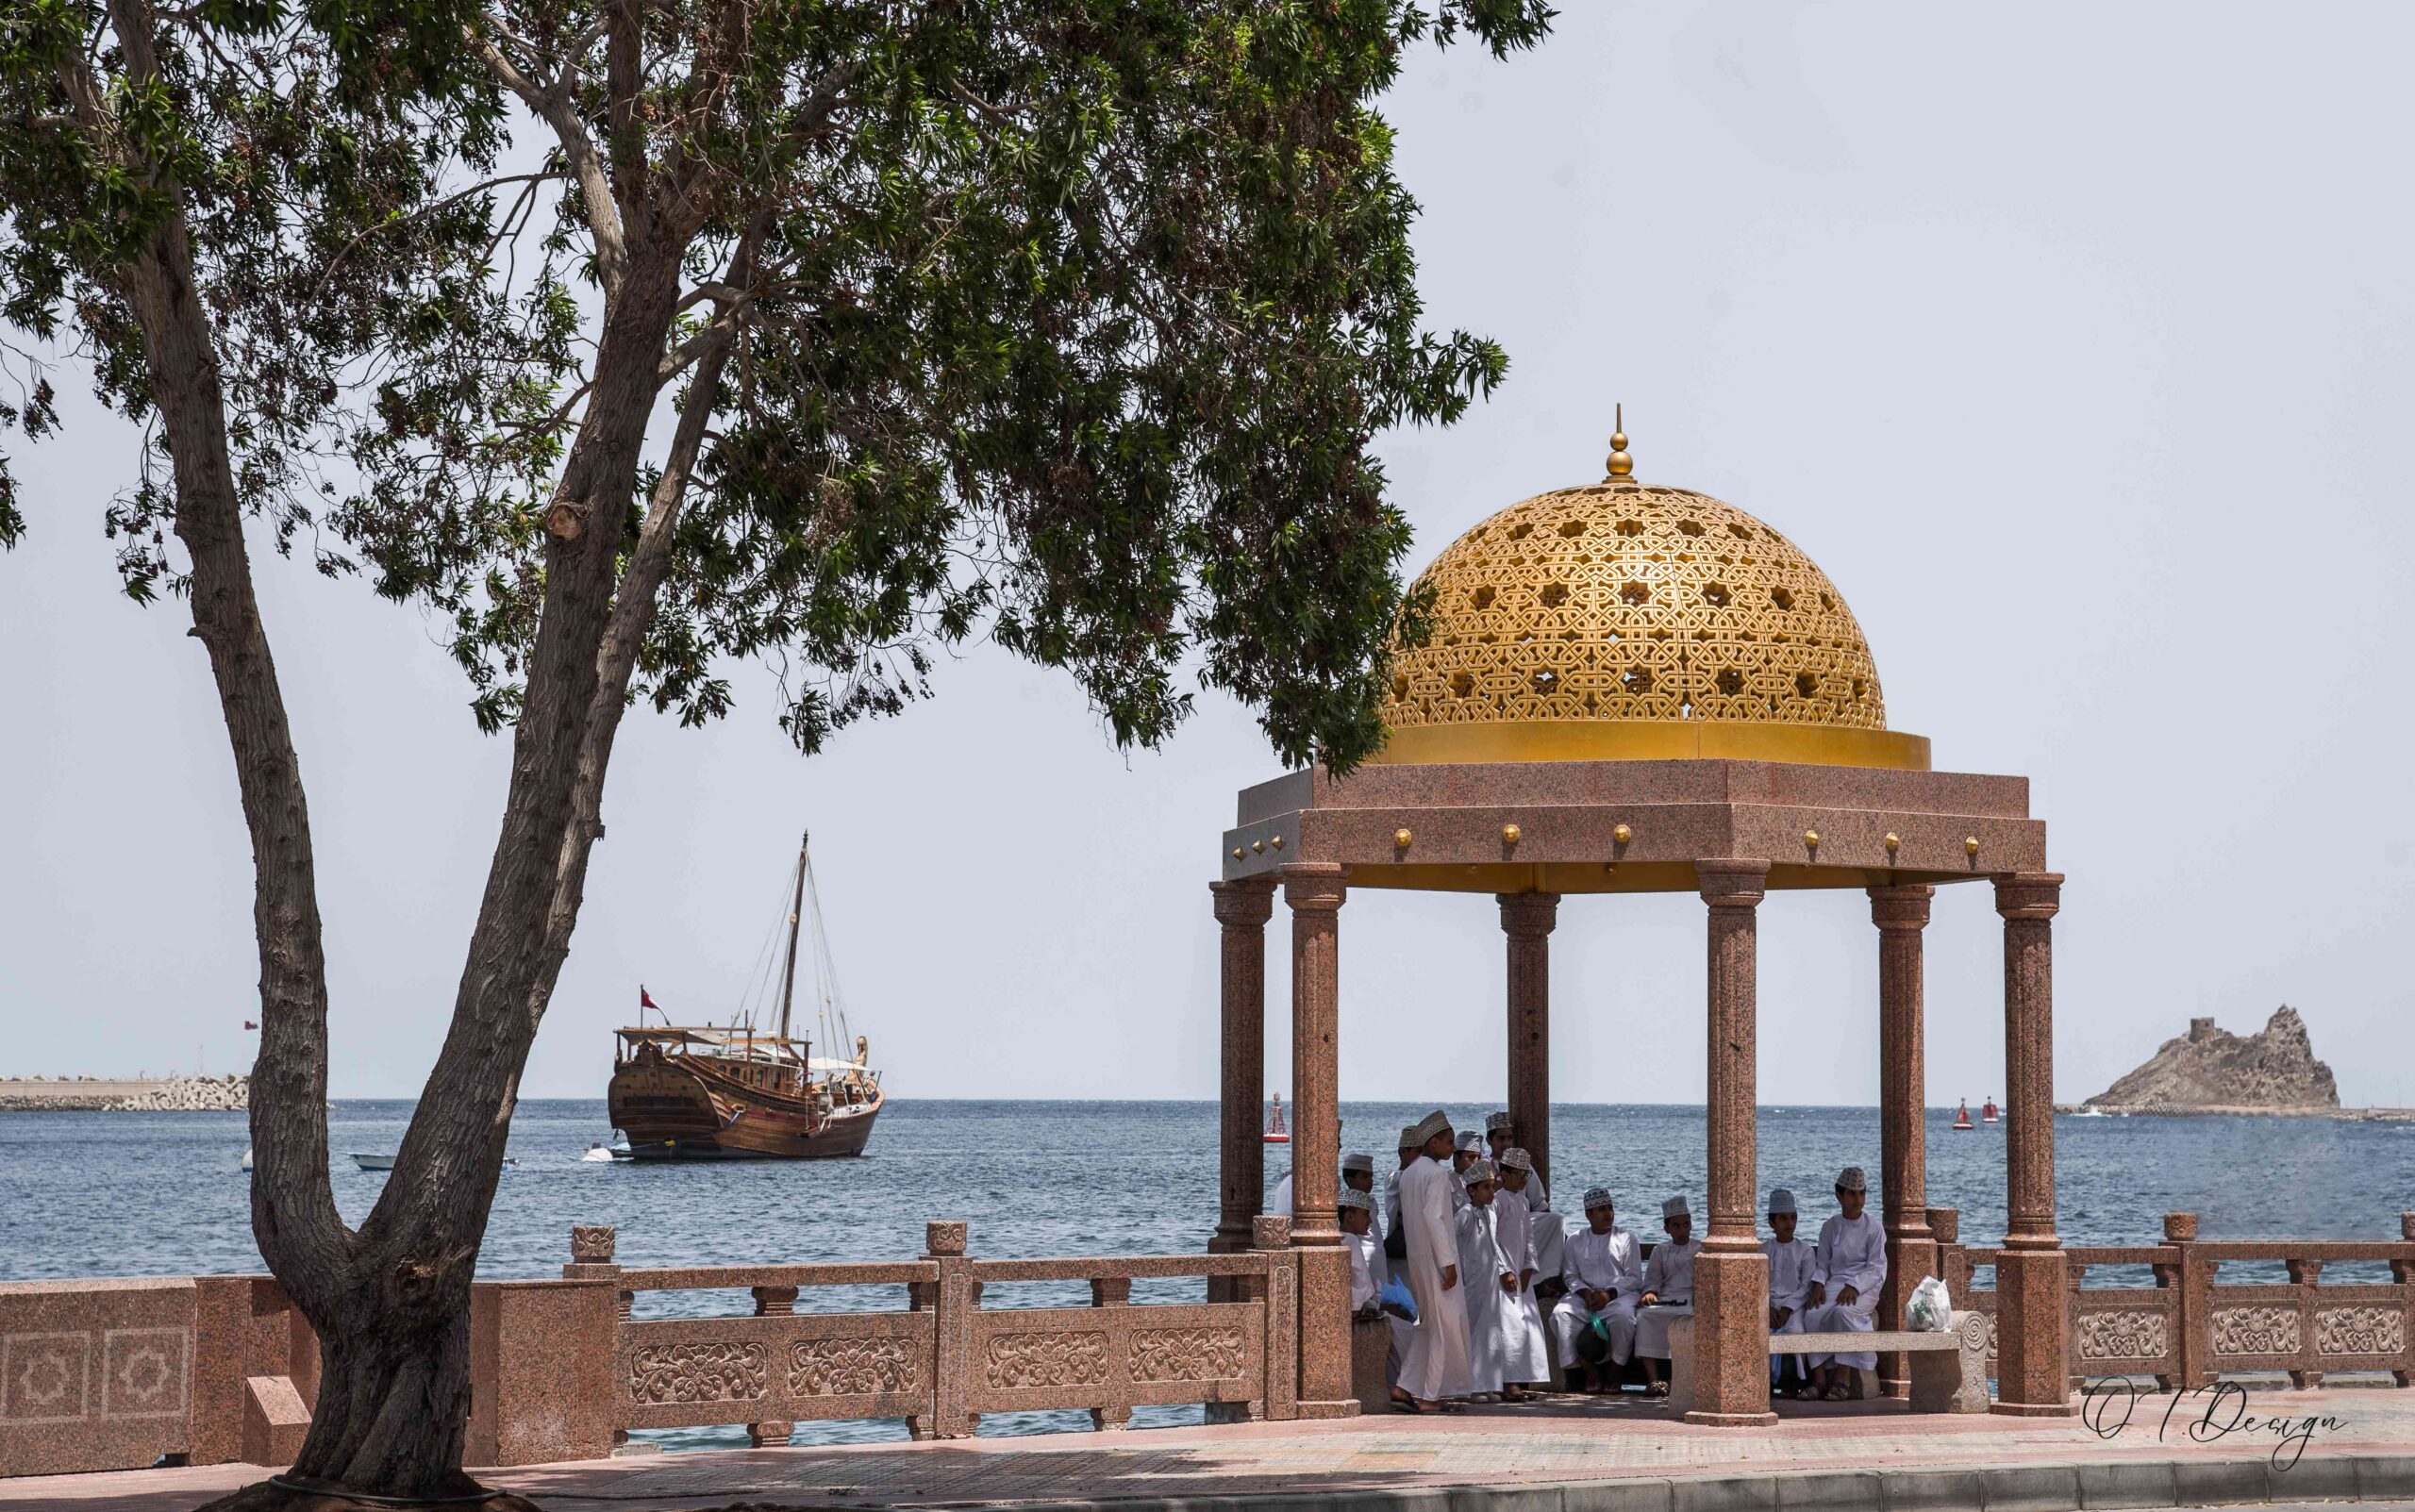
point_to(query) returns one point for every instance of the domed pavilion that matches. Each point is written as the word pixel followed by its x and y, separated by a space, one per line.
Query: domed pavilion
pixel 1634 687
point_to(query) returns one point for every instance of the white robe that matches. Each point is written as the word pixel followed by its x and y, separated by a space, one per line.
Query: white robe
pixel 1599 1262
pixel 1789 1281
pixel 1495 1321
pixel 1669 1275
pixel 1367 1271
pixel 1530 1351
pixel 1436 1365
pixel 1851 1252
pixel 1547 1232
pixel 1281 1201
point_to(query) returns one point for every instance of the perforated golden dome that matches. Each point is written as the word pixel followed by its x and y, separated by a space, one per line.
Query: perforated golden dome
pixel 1629 621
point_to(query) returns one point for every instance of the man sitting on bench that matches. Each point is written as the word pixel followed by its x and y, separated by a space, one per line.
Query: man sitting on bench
pixel 1848 1266
pixel 1790 1284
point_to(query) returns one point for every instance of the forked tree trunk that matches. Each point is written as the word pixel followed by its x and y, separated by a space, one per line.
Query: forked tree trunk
pixel 390 1301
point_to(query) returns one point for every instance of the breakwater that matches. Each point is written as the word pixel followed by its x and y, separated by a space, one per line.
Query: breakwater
pixel 147 1094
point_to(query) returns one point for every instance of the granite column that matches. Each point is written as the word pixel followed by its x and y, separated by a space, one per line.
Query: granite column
pixel 1243 908
pixel 1315 891
pixel 1731 1380
pixel 1527 919
pixel 1900 913
pixel 2033 1369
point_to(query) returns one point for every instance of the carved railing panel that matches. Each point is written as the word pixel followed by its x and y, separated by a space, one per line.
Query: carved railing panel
pixel 692 1373
pixel 1039 1358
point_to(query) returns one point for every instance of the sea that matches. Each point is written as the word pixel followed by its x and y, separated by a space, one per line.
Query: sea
pixel 119 1194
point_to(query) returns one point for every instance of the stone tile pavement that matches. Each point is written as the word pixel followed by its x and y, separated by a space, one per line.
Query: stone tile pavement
pixel 1620 1453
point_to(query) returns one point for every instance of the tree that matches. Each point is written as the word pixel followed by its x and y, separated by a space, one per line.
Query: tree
pixel 634 338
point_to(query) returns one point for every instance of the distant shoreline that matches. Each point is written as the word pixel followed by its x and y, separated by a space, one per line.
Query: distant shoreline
pixel 126 1094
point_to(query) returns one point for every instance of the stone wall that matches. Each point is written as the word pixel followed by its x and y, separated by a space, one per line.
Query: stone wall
pixel 151 1094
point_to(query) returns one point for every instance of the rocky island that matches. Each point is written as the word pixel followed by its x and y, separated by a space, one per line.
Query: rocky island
pixel 2213 1071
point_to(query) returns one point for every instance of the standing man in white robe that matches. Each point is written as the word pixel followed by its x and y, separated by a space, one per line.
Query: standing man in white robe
pixel 1466 1153
pixel 1495 1318
pixel 1847 1269
pixel 1435 1367
pixel 1790 1261
pixel 1605 1276
pixel 1409 1154
pixel 1668 1292
pixel 1529 1361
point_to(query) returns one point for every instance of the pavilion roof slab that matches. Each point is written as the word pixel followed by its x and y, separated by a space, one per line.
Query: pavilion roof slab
pixel 1555 827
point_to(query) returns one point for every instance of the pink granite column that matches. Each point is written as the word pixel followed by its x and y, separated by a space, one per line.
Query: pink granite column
pixel 1242 909
pixel 1731 1381
pixel 2033 1367
pixel 1315 890
pixel 1900 913
pixel 1527 919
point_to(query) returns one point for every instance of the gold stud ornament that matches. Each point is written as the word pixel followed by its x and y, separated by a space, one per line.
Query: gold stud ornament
pixel 1276 842
pixel 1811 839
pixel 1621 834
pixel 1238 853
pixel 1894 842
pixel 1971 843
pixel 1260 846
pixel 1509 834
pixel 1401 839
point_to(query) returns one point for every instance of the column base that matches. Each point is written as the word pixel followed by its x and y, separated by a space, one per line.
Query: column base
pixel 2033 1340
pixel 1731 1339
pixel 1324 1332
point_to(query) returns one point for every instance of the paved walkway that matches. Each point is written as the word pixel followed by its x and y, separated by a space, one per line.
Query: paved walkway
pixel 1621 1455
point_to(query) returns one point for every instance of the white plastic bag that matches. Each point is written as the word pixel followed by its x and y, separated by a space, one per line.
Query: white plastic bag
pixel 1931 1310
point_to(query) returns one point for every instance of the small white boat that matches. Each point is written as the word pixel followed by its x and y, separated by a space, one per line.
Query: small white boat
pixel 247 1157
pixel 603 1154
pixel 377 1162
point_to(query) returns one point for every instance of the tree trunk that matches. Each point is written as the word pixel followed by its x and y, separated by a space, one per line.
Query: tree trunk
pixel 391 1301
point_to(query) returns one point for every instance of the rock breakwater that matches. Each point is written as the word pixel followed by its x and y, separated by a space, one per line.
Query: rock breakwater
pixel 149 1094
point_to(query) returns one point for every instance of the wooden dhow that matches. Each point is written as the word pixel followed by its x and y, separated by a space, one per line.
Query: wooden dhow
pixel 736 1092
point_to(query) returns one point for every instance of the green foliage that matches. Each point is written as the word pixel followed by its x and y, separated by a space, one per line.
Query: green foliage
pixel 1068 322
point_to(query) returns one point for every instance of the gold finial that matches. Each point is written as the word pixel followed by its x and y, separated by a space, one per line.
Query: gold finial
pixel 1621 465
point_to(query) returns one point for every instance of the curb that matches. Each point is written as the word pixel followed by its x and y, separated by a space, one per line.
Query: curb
pixel 2063 1486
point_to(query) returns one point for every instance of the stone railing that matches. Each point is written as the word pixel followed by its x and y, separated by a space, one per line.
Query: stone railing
pixel 119 1374
pixel 2190 1327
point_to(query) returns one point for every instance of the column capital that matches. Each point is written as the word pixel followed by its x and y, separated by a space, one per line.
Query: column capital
pixel 2029 894
pixel 1244 900
pixel 1732 882
pixel 1314 884
pixel 1528 915
pixel 1901 908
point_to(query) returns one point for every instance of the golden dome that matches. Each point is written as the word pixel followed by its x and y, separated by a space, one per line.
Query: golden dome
pixel 1628 621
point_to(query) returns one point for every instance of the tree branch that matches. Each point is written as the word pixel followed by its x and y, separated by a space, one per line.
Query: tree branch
pixel 550 102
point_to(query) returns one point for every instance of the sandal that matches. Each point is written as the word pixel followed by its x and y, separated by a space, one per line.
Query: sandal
pixel 1660 1388
pixel 1837 1394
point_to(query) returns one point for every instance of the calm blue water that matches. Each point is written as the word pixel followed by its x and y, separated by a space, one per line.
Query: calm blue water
pixel 130 1194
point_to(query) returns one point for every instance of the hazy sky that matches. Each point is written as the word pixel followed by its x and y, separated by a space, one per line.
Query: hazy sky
pixel 2075 342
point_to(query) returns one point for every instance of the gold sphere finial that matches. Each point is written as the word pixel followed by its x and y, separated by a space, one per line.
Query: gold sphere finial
pixel 1621 465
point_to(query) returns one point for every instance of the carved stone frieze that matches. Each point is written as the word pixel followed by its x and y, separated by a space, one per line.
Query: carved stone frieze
pixel 699 1373
pixel 2126 1334
pixel 1045 1359
pixel 853 1367
pixel 1187 1354
pixel 2376 1329
pixel 2256 1331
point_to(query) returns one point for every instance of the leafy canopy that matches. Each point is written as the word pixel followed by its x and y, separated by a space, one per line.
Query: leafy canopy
pixel 1068 322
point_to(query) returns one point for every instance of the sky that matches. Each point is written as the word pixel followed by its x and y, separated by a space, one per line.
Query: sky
pixel 2073 341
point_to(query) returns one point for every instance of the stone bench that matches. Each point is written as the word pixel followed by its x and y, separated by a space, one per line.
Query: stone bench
pixel 1949 1371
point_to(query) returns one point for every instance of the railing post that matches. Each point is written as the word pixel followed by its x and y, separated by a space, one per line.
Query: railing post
pixel 2191 1341
pixel 1945 1228
pixel 1278 1287
pixel 772 1302
pixel 954 1297
pixel 2403 1271
pixel 2075 1273
pixel 2308 1275
pixel 592 1247
pixel 1112 1291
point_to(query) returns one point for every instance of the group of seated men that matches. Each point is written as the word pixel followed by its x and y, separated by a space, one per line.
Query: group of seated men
pixel 1465 1223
